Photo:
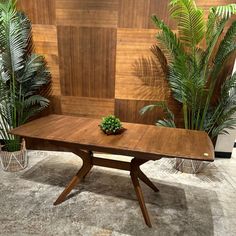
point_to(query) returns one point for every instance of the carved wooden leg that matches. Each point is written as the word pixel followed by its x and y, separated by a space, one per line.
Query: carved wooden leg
pixel 86 167
pixel 135 163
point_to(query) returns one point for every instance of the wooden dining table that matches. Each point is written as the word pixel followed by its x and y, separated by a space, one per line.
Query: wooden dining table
pixel 83 137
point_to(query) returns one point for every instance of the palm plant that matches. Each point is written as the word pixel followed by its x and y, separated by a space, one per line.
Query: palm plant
pixel 23 74
pixel 193 72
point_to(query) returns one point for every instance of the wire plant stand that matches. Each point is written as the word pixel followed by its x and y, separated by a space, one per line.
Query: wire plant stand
pixel 14 161
pixel 190 166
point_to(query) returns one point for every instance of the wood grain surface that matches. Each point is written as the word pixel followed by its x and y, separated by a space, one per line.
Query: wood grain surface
pixel 46 45
pixel 144 141
pixel 87 106
pixel 136 75
pixel 129 111
pixel 39 11
pixel 88 65
pixel 89 13
pixel 99 51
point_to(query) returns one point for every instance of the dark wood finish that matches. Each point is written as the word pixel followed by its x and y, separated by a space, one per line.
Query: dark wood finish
pixel 82 136
pixel 39 11
pixel 86 106
pixel 86 33
pixel 89 161
pixel 89 48
pixel 143 177
pixel 133 46
pixel 89 13
pixel 146 141
pixel 46 45
pixel 161 9
pixel 86 167
pixel 135 167
pixel 134 14
pixel 122 165
pixel 128 111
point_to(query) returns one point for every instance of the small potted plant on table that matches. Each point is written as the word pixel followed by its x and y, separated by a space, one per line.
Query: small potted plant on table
pixel 23 80
pixel 111 125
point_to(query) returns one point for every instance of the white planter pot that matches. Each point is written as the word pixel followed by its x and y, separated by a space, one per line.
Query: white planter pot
pixel 225 144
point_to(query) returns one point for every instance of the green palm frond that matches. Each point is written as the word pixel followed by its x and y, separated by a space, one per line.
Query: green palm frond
pixel 213 25
pixel 12 55
pixel 168 39
pixel 192 71
pixel 226 48
pixel 225 109
pixel 222 128
pixel 26 32
pixel 23 74
pixel 36 100
pixel 169 121
pixel 35 65
pixel 190 20
pixel 225 11
pixel 211 45
pixel 29 113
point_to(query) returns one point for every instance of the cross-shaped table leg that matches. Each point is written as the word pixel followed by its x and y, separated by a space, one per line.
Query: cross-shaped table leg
pixel 135 172
pixel 86 167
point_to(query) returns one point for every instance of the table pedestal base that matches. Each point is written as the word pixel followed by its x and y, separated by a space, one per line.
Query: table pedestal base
pixel 135 172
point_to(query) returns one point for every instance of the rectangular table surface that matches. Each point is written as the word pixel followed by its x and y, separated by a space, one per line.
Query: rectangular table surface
pixel 146 141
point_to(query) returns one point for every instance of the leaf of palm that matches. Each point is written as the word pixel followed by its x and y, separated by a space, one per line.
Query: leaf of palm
pixel 191 25
pixel 226 11
pixel 226 48
pixel 168 40
pixel 11 42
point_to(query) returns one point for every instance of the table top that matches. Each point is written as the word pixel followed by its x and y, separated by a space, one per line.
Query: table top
pixel 138 139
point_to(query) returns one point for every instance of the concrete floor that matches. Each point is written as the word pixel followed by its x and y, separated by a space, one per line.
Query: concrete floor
pixel 105 203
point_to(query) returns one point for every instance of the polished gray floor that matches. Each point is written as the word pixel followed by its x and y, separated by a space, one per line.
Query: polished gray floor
pixel 105 203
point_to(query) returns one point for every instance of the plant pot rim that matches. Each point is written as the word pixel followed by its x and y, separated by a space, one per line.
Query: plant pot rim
pixel 120 131
pixel 22 148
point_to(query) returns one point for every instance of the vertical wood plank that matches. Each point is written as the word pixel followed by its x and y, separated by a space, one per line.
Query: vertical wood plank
pixel 94 63
pixel 39 11
pixel 138 75
pixel 134 14
pixel 45 42
pixel 129 111
pixel 87 63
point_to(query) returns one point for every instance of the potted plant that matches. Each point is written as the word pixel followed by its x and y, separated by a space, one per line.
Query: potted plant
pixel 111 125
pixel 23 78
pixel 193 72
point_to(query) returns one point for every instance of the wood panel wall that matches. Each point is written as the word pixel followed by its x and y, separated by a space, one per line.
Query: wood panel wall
pixel 94 49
